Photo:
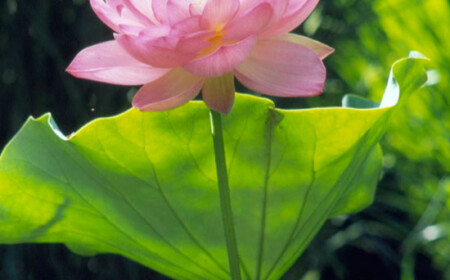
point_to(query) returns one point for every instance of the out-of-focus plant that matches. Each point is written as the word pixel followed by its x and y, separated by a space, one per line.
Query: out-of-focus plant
pixel 422 131
pixel 418 141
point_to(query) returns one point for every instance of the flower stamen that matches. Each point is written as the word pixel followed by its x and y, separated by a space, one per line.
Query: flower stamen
pixel 215 41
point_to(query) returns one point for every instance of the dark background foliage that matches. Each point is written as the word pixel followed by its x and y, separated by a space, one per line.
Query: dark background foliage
pixel 389 240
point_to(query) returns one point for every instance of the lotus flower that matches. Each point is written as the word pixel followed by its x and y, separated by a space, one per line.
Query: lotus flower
pixel 175 48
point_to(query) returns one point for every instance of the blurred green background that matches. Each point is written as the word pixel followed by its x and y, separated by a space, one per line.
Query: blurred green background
pixel 404 235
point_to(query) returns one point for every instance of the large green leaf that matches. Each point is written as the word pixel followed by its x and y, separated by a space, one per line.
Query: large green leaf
pixel 143 185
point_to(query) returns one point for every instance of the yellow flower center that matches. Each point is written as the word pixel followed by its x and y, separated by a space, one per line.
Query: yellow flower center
pixel 215 42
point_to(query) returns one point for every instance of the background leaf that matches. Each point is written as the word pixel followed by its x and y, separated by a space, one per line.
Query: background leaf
pixel 417 145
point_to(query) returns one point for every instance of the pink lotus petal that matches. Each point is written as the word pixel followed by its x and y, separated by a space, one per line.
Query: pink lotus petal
pixel 195 9
pixel 249 23
pixel 298 11
pixel 186 26
pixel 172 90
pixel 284 69
pixel 155 32
pixel 149 52
pixel 106 13
pixel 319 48
pixel 109 63
pixel 114 13
pixel 218 93
pixel 136 9
pixel 280 7
pixel 248 4
pixel 195 42
pixel 171 11
pixel 178 10
pixel 223 60
pixel 159 8
pixel 142 8
pixel 217 13
pixel 151 32
pixel 130 29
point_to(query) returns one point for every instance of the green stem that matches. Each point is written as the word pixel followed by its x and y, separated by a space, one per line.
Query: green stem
pixel 224 192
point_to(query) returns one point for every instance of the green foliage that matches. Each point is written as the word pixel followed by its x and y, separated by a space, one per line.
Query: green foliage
pixel 143 185
pixel 427 113
pixel 417 143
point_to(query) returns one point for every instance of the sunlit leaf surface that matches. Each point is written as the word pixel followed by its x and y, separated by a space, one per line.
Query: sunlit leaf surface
pixel 143 185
